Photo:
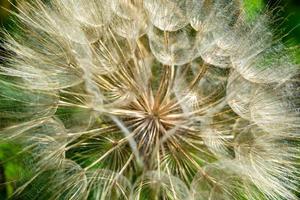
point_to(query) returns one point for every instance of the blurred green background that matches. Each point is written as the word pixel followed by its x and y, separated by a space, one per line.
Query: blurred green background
pixel 11 169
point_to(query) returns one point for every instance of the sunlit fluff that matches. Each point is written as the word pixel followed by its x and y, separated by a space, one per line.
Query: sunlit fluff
pixel 151 99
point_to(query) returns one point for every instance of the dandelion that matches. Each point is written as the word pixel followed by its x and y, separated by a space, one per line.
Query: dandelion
pixel 150 99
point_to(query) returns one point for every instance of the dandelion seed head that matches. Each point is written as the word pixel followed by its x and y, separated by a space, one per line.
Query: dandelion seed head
pixel 150 99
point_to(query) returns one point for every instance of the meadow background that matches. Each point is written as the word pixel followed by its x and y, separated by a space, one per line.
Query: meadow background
pixel 11 168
